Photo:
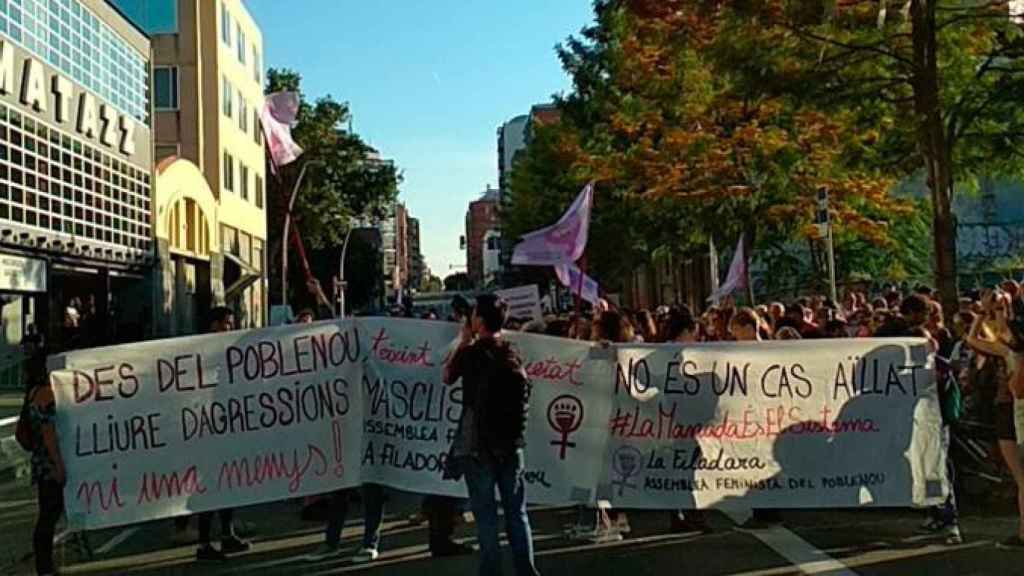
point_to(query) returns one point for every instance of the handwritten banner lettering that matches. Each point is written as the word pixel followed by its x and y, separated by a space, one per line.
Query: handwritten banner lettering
pixel 160 429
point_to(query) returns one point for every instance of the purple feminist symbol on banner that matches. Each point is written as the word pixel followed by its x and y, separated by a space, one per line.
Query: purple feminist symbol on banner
pixel 626 463
pixel 565 414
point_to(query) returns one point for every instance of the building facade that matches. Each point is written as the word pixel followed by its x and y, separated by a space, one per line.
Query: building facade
pixel 511 139
pixel 418 273
pixel 207 93
pixel 76 175
pixel 483 238
pixel 395 252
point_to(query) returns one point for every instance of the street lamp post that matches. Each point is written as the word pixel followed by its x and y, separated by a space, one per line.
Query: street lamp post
pixel 341 273
pixel 287 229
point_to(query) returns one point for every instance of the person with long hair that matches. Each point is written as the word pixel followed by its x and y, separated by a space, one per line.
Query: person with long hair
pixel 998 333
pixel 646 326
pixel 48 472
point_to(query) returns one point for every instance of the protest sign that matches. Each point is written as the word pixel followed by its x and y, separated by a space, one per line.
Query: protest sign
pixel 158 429
pixel 523 302
pixel 776 424
pixel 164 428
pixel 411 417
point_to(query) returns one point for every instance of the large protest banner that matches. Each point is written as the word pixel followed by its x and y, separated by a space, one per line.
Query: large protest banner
pixel 842 423
pixel 411 417
pixel 158 429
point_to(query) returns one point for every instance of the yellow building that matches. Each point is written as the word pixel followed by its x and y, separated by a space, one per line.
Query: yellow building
pixel 207 94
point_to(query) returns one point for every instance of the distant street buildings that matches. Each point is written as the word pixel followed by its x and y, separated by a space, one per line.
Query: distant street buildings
pixel 483 238
pixel 419 272
pixel 488 251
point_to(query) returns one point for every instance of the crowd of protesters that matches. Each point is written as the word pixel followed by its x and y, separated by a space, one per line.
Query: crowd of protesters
pixel 978 354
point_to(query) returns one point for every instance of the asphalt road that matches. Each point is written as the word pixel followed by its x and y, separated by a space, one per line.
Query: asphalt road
pixel 837 543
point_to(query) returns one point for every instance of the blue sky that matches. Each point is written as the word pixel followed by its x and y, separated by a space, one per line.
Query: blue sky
pixel 429 81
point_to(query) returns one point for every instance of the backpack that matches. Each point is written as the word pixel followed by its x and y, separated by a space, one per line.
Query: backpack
pixel 23 431
pixel 503 406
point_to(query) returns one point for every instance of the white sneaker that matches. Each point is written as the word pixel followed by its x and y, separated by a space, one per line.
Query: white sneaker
pixel 365 555
pixel 324 552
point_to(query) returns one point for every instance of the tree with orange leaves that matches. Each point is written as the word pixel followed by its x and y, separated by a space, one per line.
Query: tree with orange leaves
pixel 935 84
pixel 679 140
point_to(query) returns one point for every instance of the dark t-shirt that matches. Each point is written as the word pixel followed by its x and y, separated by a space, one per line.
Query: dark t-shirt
pixel 476 365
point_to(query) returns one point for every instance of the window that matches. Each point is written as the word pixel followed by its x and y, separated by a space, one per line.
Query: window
pixel 257 132
pixel 257 65
pixel 242 48
pixel 243 177
pixel 227 97
pixel 229 172
pixel 225 24
pixel 69 37
pixel 243 113
pixel 259 192
pixel 228 239
pixel 165 87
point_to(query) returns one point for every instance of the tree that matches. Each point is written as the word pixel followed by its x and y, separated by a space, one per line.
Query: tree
pixel 433 284
pixel 937 82
pixel 344 181
pixel 684 149
pixel 458 282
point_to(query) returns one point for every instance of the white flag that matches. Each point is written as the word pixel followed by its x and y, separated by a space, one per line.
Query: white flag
pixel 737 278
pixel 561 243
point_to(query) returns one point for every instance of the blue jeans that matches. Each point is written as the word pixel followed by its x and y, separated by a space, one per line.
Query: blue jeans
pixel 482 476
pixel 373 515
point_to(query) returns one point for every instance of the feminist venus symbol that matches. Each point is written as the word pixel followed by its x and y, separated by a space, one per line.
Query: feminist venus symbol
pixel 565 415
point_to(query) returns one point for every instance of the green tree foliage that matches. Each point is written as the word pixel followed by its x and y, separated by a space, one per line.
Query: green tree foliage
pixel 458 282
pixel 344 182
pixel 684 148
pixel 935 83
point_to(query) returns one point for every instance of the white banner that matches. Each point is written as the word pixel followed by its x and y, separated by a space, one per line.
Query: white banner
pixel 164 428
pixel 523 302
pixel 842 423
pixel 159 429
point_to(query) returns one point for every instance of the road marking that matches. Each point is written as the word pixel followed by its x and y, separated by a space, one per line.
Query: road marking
pixel 879 557
pixel 797 551
pixel 16 504
pixel 8 421
pixel 117 540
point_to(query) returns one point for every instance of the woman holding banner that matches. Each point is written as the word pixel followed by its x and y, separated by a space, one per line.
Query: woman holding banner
pixel 47 465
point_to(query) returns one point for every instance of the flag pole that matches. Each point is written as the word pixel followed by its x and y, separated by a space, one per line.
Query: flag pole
pixel 579 285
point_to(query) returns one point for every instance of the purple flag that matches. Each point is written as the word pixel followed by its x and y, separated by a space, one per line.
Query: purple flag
pixel 569 276
pixel 737 278
pixel 278 115
pixel 562 243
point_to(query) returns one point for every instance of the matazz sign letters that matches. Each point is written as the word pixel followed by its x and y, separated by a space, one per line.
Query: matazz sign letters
pixel 92 120
pixel 159 429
